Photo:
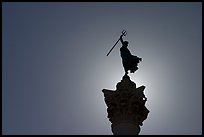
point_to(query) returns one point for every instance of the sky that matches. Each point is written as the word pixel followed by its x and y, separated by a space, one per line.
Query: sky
pixel 54 65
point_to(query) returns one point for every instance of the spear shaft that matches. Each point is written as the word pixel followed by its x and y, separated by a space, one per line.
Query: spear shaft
pixel 113 47
pixel 123 34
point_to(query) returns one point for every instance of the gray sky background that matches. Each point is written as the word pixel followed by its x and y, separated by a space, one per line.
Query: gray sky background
pixel 55 65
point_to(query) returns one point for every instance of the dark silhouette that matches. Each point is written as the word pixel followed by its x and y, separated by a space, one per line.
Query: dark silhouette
pixel 129 61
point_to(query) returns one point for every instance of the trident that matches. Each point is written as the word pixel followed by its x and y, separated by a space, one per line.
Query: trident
pixel 124 33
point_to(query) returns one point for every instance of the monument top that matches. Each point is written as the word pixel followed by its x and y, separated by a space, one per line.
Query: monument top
pixel 129 61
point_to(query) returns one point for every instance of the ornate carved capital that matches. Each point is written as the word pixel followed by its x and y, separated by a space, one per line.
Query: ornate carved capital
pixel 126 104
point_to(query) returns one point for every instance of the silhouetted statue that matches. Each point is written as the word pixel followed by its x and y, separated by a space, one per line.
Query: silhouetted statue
pixel 129 61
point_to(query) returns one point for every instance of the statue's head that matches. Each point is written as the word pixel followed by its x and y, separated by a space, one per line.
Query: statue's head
pixel 125 43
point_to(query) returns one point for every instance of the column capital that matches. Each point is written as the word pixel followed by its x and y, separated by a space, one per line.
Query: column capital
pixel 126 104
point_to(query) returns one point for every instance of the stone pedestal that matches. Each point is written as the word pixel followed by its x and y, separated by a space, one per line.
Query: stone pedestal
pixel 126 107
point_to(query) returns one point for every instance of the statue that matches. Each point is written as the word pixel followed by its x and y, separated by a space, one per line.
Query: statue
pixel 129 61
